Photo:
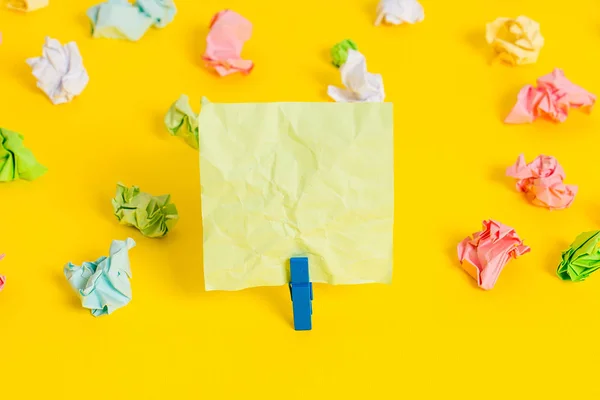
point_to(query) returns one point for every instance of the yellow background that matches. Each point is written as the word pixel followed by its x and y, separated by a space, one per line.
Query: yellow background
pixel 432 334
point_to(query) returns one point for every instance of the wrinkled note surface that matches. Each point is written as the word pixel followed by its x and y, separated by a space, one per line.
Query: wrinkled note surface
pixel 288 179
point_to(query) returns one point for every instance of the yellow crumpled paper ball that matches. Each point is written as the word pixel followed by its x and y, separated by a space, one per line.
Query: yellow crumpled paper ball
pixel 515 41
pixel 26 5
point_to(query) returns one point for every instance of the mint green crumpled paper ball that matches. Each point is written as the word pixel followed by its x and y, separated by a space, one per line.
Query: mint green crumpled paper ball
pixel 339 52
pixel 154 216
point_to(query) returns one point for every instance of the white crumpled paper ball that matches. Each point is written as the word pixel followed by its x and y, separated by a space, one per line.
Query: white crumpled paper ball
pixel 59 71
pixel 361 85
pixel 397 12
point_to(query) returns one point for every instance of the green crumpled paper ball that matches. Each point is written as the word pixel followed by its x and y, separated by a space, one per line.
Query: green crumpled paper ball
pixel 17 161
pixel 154 216
pixel 581 259
pixel 182 121
pixel 339 52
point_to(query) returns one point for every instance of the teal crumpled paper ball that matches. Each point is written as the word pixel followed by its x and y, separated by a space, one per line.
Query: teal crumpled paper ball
pixel 103 285
pixel 119 19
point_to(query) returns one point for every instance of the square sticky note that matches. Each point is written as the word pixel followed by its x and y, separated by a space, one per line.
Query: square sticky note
pixel 296 179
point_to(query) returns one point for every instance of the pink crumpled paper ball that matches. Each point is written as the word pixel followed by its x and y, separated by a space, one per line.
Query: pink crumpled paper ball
pixel 542 181
pixel 552 99
pixel 485 254
pixel 228 33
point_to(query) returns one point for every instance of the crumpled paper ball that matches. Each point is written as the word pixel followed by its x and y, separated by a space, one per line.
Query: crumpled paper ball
pixel 361 85
pixel 224 42
pixel 339 52
pixel 485 254
pixel 119 19
pixel 154 216
pixel 59 71
pixel 398 12
pixel 515 41
pixel 581 258
pixel 26 5
pixel 103 285
pixel 552 99
pixel 17 161
pixel 162 12
pixel 181 121
pixel 542 181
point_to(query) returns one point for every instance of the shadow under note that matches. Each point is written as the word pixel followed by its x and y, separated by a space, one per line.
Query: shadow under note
pixel 278 300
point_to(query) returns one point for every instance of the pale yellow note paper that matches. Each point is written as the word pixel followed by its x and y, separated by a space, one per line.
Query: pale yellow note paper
pixel 296 179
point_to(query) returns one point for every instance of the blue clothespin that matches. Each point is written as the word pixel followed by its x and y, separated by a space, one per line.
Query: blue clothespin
pixel 301 292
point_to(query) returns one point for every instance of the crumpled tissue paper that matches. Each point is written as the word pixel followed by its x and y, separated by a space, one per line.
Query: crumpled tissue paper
pixel 17 161
pixel 26 5
pixel 59 71
pixel 485 254
pixel 103 285
pixel 542 181
pixel 154 216
pixel 275 186
pixel 182 121
pixel 397 12
pixel 552 98
pixel 228 33
pixel 515 41
pixel 361 86
pixel 581 258
pixel 119 19
pixel 339 52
